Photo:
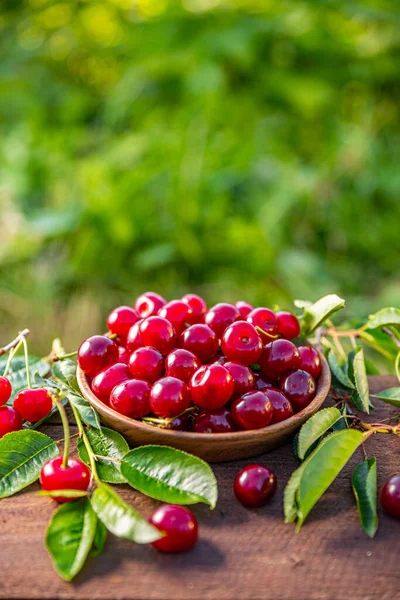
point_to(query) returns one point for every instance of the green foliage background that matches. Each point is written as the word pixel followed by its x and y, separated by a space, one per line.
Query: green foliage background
pixel 239 149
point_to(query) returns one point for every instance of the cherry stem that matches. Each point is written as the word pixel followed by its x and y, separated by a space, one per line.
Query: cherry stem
pixel 28 372
pixel 64 356
pixel 65 424
pixel 13 352
pixel 260 330
pixel 394 339
pixel 83 436
pixel 167 420
pixel 71 437
pixel 108 458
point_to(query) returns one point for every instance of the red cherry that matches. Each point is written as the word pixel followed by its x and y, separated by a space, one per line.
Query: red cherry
pixel 121 319
pixel 279 356
pixel 253 410
pixel 54 476
pixel 148 304
pixel 220 316
pixel 390 496
pixel 263 382
pixel 96 353
pixel 198 308
pixel 244 308
pixel 214 421
pixel 5 390
pixel 10 420
pixel 211 386
pixel 288 325
pixel 254 485
pixel 131 398
pixel 169 397
pixel 299 386
pixel 177 313
pixel 266 320
pixel 106 380
pixel 147 363
pixel 158 333
pixel 281 405
pixel 243 378
pixel 181 423
pixel 33 405
pixel 310 361
pixel 241 343
pixel 134 339
pixel 123 355
pixel 181 364
pixel 201 341
pixel 179 526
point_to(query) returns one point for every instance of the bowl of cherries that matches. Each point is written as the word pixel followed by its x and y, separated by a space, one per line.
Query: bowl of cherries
pixel 225 382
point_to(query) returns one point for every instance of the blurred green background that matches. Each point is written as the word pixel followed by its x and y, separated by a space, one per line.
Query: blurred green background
pixel 240 149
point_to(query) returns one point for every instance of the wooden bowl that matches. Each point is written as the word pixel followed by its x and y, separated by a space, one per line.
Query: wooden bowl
pixel 210 446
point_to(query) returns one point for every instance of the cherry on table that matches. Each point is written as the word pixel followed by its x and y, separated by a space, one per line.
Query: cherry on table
pixel 158 333
pixel 5 390
pixel 177 313
pixel 281 405
pixel 53 476
pixel 310 361
pixel 181 364
pixel 34 404
pixel 198 308
pixel 10 420
pixel 201 340
pixel 299 386
pixel 214 421
pixel 131 398
pixel 288 325
pixel 148 304
pixel 244 308
pixel 266 320
pixel 104 382
pixel 241 343
pixel 147 363
pixel 243 378
pixel 121 319
pixel 390 496
pixel 212 386
pixel 279 356
pixel 253 410
pixel 96 353
pixel 220 316
pixel 169 397
pixel 179 526
pixel 254 485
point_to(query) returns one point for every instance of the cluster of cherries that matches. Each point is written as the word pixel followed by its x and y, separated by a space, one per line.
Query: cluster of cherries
pixel 29 405
pixel 234 366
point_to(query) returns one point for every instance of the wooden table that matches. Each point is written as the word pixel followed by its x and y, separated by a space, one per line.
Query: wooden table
pixel 241 553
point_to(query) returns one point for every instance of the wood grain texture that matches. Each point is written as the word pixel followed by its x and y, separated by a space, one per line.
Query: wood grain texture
pixel 241 554
pixel 213 448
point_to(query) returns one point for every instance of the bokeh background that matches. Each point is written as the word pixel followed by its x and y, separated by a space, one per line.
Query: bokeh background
pixel 240 149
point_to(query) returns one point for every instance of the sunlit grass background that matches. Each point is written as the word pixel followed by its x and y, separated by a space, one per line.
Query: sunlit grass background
pixel 242 149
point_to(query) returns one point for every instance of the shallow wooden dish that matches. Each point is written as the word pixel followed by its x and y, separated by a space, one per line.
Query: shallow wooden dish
pixel 212 447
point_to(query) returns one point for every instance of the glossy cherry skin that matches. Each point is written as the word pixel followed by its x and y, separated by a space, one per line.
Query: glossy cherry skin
pixel 220 316
pixel 279 356
pixel 181 423
pixel 148 304
pixel 243 378
pixel 33 405
pixel 281 405
pixel 212 386
pixel 147 363
pixel 244 308
pixel 266 320
pixel 179 526
pixel 177 313
pixel 134 339
pixel 158 333
pixel 131 398
pixel 214 421
pixel 54 476
pixel 254 485
pixel 201 341
pixel 10 420
pixel 198 308
pixel 262 382
pixel 241 343
pixel 310 361
pixel 121 319
pixel 181 364
pixel 288 325
pixel 106 380
pixel 5 390
pixel 299 386
pixel 96 353
pixel 253 410
pixel 169 397
pixel 123 355
pixel 390 496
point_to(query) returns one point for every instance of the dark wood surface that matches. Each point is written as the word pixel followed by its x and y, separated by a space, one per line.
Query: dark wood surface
pixel 241 553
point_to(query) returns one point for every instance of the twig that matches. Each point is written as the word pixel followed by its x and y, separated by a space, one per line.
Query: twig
pixel 392 336
pixel 22 335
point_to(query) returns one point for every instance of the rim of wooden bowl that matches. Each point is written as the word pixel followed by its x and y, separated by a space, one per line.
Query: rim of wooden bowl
pixel 323 387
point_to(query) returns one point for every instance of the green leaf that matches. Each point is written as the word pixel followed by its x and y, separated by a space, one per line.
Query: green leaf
pixel 302 303
pixel 100 538
pixel 22 456
pixel 65 370
pixel 391 396
pixel 86 411
pixel 120 518
pixel 17 372
pixel 338 371
pixel 364 488
pixel 105 442
pixel 170 475
pixel 315 427
pixel 70 536
pixel 318 312
pixel 358 374
pixel 384 317
pixel 290 506
pixel 342 423
pixel 397 366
